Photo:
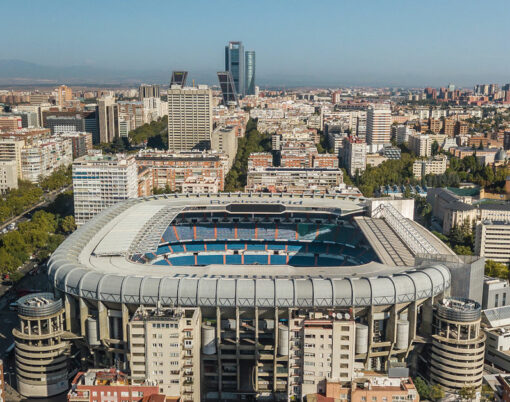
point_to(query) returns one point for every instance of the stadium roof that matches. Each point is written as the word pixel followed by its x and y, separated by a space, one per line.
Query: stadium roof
pixel 93 263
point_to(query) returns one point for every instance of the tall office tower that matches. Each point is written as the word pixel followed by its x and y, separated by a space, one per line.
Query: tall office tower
pixel 148 91
pixel 189 118
pixel 378 125
pixel 451 87
pixel 179 78
pixel 100 181
pixel 64 94
pixel 108 119
pixel 165 349
pixel 250 72
pixel 234 62
pixel 42 353
pixel 228 89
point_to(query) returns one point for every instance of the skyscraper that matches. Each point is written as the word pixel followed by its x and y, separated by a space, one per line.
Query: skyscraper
pixel 250 72
pixel 179 78
pixel 378 126
pixel 228 89
pixel 189 118
pixel 234 62
pixel 148 91
pixel 108 118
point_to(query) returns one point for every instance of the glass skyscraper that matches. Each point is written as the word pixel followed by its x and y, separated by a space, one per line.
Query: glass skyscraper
pixel 234 62
pixel 250 72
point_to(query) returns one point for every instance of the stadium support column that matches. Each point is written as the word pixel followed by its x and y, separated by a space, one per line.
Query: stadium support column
pixel 104 327
pixel 238 341
pixel 426 316
pixel 218 348
pixel 370 334
pixel 257 351
pixel 275 349
pixel 84 314
pixel 411 314
pixel 70 315
pixel 391 330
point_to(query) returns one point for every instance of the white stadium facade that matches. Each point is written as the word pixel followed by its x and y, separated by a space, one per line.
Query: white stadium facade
pixel 262 271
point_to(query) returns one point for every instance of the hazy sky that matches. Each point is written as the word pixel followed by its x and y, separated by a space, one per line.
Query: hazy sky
pixel 385 41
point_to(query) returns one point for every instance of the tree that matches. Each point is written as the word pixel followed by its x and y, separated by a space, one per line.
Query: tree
pixel 67 224
pixel 422 387
pixel 462 250
pixel 435 148
pixel 496 269
pixel 487 393
pixel 436 392
pixel 467 393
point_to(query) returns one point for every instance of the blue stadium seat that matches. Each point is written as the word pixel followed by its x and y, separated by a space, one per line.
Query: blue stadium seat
pixel 215 246
pixel 185 232
pixel 307 231
pixel 236 246
pixel 295 247
pixel 205 232
pixel 183 260
pixel 225 232
pixel 195 247
pixel 255 259
pixel 266 231
pixel 169 235
pixel 256 246
pixel 246 231
pixel 302 261
pixel 276 246
pixel 278 259
pixel 163 250
pixel 161 262
pixel 177 248
pixel 205 259
pixel 287 232
pixel 233 259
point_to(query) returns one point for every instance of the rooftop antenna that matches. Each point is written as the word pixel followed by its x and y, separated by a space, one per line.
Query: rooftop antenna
pixel 193 83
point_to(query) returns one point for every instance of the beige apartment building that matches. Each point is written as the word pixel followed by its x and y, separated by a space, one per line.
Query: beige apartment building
pixel 224 139
pixel 165 350
pixel 8 175
pixel 10 149
pixel 420 144
pixel 435 165
pixel 379 125
pixel 189 118
pixel 492 240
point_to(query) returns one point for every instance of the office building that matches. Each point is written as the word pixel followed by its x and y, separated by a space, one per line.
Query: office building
pixel 148 91
pixel 496 325
pixel 8 175
pixel 165 350
pixel 108 112
pixel 250 72
pixel 81 142
pixel 172 170
pixel 110 385
pixel 458 345
pixel 420 144
pixel 435 165
pixel 38 99
pixel 492 240
pixel 42 353
pixel 64 94
pixel 378 126
pixel 228 89
pixel 496 293
pixel 189 118
pixel 10 122
pixel 132 114
pixel 62 124
pixel 42 157
pixel 100 181
pixel 179 78
pixel 224 140
pixel 234 63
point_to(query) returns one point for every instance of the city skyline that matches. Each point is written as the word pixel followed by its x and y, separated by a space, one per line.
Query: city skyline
pixel 332 44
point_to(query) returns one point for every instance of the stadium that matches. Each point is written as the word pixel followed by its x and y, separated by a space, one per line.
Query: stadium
pixel 260 268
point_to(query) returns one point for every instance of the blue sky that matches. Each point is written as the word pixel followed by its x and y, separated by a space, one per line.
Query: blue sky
pixel 316 42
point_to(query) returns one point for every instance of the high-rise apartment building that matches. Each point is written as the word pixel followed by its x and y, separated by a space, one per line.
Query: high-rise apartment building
pixel 379 125
pixel 10 150
pixel 234 62
pixel 108 118
pixel 355 155
pixel 250 72
pixel 189 118
pixel 10 122
pixel 8 175
pixel 420 144
pixel 148 91
pixel 165 350
pixel 100 181
pixel 64 94
pixel 224 139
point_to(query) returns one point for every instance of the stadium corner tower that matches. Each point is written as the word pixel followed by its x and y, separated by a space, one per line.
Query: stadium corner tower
pixel 270 277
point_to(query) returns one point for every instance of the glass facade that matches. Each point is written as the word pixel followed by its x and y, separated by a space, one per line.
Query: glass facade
pixel 250 72
pixel 234 63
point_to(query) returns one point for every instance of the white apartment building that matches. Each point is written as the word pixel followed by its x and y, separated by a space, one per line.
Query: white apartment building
pixel 401 133
pixel 189 118
pixel 496 325
pixel 492 240
pixel 42 157
pixel 8 175
pixel 293 180
pixel 420 144
pixel 224 139
pixel 378 126
pixel 10 149
pixel 201 185
pixel 436 165
pixel 100 181
pixel 355 156
pixel 321 349
pixel 165 350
